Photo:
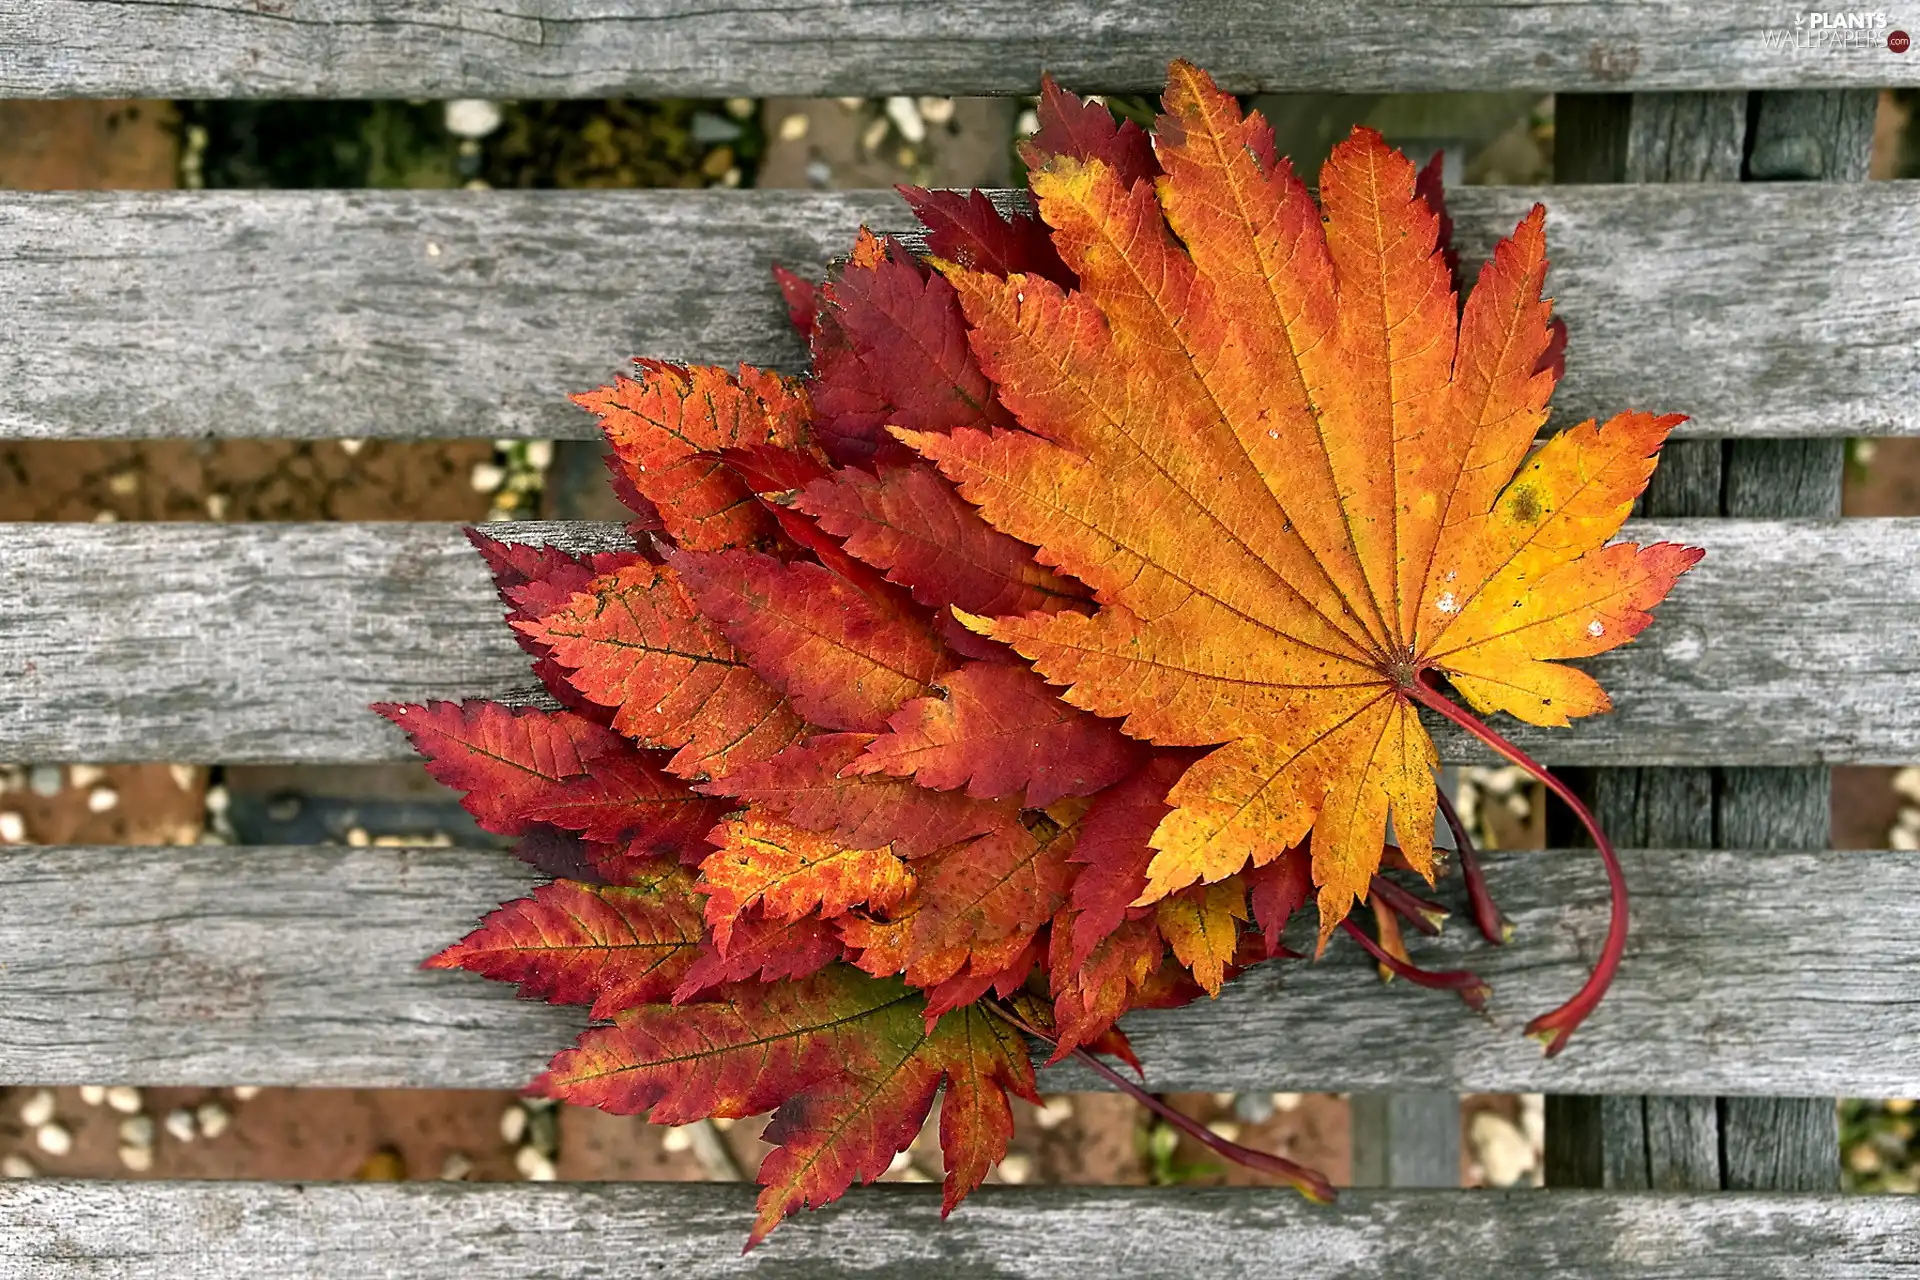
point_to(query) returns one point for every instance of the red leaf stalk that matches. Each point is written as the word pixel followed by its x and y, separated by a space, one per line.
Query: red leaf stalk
pixel 1423 914
pixel 1493 925
pixel 1553 1029
pixel 1469 985
pixel 1308 1182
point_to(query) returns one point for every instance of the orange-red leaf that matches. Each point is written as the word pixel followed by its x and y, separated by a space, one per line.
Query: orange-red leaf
pixel 1000 731
pixel 980 904
pixel 1266 436
pixel 667 428
pixel 635 642
pixel 608 946
pixel 964 227
pixel 762 950
pixel 845 658
pixel 786 872
pixel 1114 850
pixel 808 785
pixel 909 523
pixel 521 766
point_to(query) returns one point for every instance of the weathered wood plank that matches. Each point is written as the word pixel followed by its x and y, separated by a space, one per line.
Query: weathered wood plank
pixel 56 1230
pixel 573 49
pixel 427 314
pixel 1791 643
pixel 1747 973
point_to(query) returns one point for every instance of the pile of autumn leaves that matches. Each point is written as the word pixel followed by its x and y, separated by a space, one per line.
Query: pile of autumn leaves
pixel 821 831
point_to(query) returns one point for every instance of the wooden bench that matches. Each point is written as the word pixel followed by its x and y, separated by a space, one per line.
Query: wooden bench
pixel 1766 976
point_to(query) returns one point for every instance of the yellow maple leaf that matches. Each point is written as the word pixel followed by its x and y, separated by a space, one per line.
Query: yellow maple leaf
pixel 1296 473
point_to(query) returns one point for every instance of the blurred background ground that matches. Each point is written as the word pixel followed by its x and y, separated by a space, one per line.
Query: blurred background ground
pixel 789 143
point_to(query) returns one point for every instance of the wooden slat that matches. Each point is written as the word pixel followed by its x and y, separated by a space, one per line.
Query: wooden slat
pixel 574 49
pixel 1792 643
pixel 59 1230
pixel 1759 310
pixel 1747 973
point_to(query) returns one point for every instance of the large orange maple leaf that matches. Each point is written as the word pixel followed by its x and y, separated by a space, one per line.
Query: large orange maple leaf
pixel 1295 472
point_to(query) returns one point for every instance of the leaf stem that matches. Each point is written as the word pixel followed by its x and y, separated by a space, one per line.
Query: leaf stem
pixel 1555 1028
pixel 1469 985
pixel 1308 1182
pixel 1487 916
pixel 1422 914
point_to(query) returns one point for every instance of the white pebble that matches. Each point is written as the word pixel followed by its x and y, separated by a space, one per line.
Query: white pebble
pixel 539 454
pixel 212 1119
pixel 17 1166
pixel 1228 1129
pixel 513 1124
pixel 740 108
pixel 873 136
pixel 136 1159
pixel 217 504
pixel 106 517
pixel 136 1131
pixel 350 446
pixel 53 1138
pixel 1503 1151
pixel 1286 1101
pixel 1907 783
pixel 793 128
pixel 486 477
pixel 37 1109
pixel 179 1123
pixel 93 1094
pixel 246 1092
pixel 80 776
pixel 935 110
pixel 906 118
pixel 183 776
pixel 13 827
pixel 1900 838
pixel 1054 1113
pixel 1016 1167
pixel 102 799
pixel 1027 125
pixel 533 1166
pixel 46 780
pixel 124 1098
pixel 472 117
pixel 456 1167
pixel 218 800
pixel 358 837
pixel 676 1138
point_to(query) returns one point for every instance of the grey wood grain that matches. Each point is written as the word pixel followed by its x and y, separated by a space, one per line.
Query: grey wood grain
pixel 1791 643
pixel 1747 973
pixel 673 48
pixel 1762 311
pixel 64 1230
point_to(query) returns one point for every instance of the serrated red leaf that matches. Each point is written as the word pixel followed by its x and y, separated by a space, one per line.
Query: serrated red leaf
pixel 1001 731
pixel 636 643
pixel 627 801
pixel 1115 847
pixel 804 785
pixel 508 760
pixel 845 658
pixel 762 950
pixel 985 1059
pixel 1277 890
pixel 1084 130
pixel 747 1050
pixel 981 903
pixel 969 985
pixel 964 227
pixel 786 872
pixel 607 946
pixel 1089 995
pixel 801 297
pixel 667 428
pixel 890 348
